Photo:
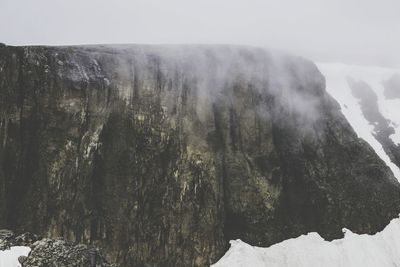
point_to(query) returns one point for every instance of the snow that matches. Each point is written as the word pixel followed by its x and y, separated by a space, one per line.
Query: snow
pixel 336 84
pixel 381 249
pixel 9 258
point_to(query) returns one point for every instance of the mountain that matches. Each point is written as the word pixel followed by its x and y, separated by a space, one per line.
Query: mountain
pixel 160 155
pixel 370 99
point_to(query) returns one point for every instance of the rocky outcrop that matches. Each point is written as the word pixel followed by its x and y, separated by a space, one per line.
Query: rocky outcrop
pixel 9 239
pixel 48 252
pixel 162 154
pixel 52 252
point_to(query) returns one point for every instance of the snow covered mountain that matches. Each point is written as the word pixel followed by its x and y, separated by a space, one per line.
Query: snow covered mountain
pixel 160 155
pixel 370 100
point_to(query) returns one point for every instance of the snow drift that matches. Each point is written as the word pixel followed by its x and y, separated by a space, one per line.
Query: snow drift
pixel 381 249
pixel 9 257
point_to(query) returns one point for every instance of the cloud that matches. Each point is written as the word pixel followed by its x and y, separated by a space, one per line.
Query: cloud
pixel 352 31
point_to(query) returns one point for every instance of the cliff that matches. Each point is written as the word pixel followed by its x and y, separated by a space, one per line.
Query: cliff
pixel 162 154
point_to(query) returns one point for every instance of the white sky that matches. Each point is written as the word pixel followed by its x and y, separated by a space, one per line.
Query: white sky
pixel 352 31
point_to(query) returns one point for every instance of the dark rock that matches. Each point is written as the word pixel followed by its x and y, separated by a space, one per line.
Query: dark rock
pixel 48 252
pixel 6 239
pixel 9 239
pixel 22 259
pixel 53 252
pixel 160 155
pixel 25 239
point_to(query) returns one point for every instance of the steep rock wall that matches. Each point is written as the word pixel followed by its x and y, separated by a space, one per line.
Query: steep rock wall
pixel 162 154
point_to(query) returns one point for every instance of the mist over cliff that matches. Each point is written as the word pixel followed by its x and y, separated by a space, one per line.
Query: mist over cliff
pixel 162 154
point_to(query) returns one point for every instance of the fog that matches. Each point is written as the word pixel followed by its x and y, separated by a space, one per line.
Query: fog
pixel 349 31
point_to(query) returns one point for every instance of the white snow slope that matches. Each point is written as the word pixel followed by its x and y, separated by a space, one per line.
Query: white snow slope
pixel 311 250
pixel 336 84
pixel 9 258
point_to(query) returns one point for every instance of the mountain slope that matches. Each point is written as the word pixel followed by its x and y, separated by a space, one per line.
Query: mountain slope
pixel 369 98
pixel 162 154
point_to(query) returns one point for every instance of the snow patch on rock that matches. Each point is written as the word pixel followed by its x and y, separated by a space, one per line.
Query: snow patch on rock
pixel 9 257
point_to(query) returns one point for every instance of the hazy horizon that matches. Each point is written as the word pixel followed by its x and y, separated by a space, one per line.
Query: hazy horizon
pixel 354 31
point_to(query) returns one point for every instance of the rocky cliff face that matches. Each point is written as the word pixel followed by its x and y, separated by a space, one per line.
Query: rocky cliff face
pixel 162 154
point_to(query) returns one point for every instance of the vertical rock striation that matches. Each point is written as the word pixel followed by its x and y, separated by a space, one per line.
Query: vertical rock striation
pixel 162 154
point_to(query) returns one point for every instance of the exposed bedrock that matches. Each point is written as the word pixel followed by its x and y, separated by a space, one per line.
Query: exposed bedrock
pixel 162 154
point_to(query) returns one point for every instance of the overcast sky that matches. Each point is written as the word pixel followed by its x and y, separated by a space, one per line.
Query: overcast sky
pixel 352 31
